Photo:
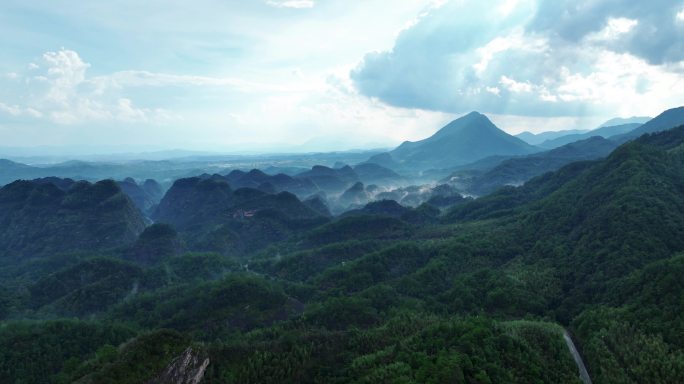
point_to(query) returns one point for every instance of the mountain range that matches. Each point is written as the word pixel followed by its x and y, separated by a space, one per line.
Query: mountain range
pixel 516 171
pixel 550 136
pixel 605 132
pixel 538 138
pixel 666 120
pixel 488 174
pixel 239 281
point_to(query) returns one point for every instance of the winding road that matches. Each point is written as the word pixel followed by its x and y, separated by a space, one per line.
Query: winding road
pixel 584 375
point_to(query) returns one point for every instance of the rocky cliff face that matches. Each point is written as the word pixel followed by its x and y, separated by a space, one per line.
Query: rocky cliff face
pixel 188 368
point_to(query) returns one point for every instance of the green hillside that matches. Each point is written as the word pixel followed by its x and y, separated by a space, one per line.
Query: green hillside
pixel 482 293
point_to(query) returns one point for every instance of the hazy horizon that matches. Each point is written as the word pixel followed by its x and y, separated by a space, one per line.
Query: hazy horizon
pixel 158 152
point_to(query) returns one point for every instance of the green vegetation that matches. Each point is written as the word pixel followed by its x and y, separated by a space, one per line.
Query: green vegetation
pixel 39 219
pixel 479 294
pixel 36 352
pixel 136 360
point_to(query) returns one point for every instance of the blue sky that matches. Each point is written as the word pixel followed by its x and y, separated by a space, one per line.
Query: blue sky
pixel 294 75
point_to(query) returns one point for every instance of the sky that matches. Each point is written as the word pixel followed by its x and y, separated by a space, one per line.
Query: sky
pixel 306 75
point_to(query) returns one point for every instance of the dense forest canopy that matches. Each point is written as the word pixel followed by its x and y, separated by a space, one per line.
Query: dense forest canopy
pixel 268 289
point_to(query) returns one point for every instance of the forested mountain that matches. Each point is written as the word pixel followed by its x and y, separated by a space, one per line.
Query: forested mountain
pixel 39 218
pixel 464 140
pixel 632 201
pixel 145 196
pixel 597 228
pixel 516 171
pixel 666 120
pixel 331 180
pixel 486 175
pixel 212 216
pixel 480 292
pixel 605 132
pixel 297 192
pixel 370 173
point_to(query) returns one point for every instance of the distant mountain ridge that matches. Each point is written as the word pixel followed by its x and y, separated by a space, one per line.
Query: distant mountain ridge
pixel 603 131
pixel 516 171
pixel 481 179
pixel 538 138
pixel 466 139
pixel 339 179
pixel 553 138
pixel 668 119
pixel 270 183
pixel 626 120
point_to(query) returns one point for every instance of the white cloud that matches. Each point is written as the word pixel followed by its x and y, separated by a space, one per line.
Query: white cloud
pixel 543 61
pixel 614 29
pixel 493 90
pixel 66 71
pixel 65 95
pixel 620 25
pixel 620 83
pixel 516 40
pixel 500 44
pixel 217 66
pixel 13 110
pixel 299 107
pixel 656 37
pixel 507 7
pixel 515 86
pixel 33 113
pixel 626 84
pixel 17 111
pixel 299 4
pixel 680 16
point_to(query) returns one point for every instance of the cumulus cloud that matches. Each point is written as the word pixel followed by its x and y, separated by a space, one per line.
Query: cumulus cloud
pixel 66 72
pixel 615 29
pixel 324 108
pixel 656 37
pixel 535 58
pixel 63 94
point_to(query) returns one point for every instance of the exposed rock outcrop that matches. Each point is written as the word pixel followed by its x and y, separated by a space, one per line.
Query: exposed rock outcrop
pixel 188 368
